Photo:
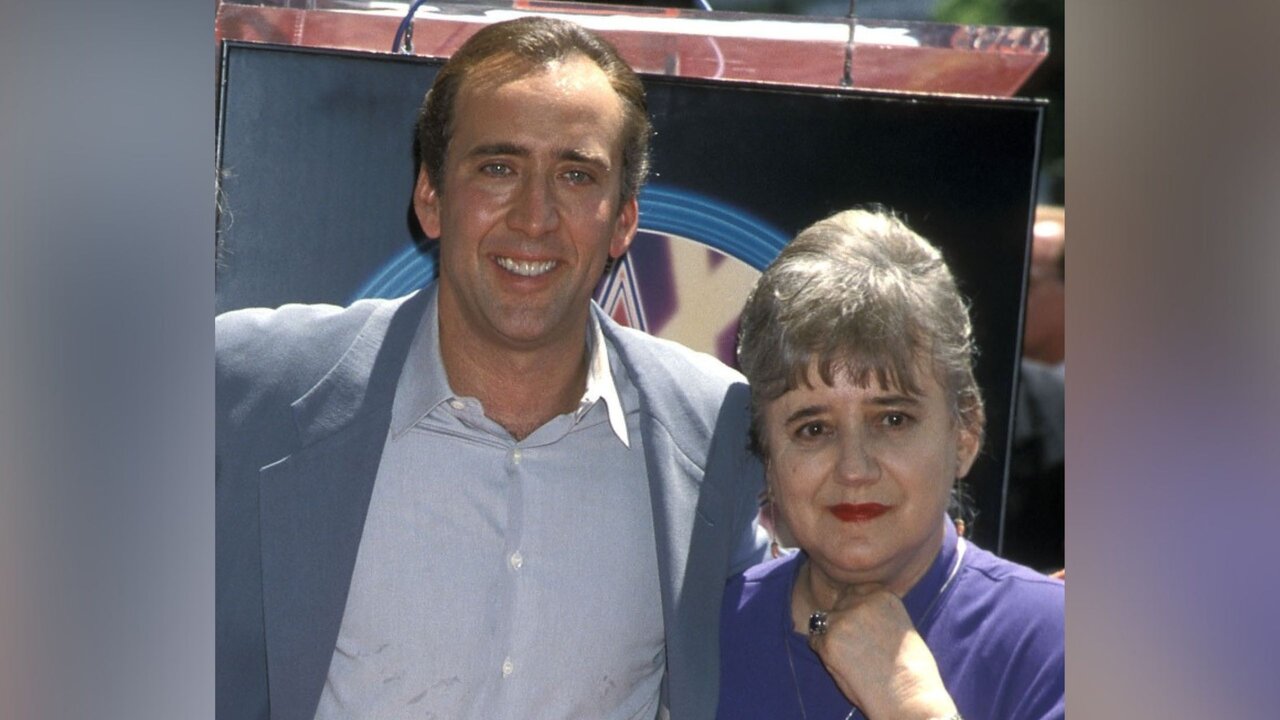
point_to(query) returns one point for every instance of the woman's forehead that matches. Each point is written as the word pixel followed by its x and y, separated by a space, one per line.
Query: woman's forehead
pixel 913 377
pixel 863 384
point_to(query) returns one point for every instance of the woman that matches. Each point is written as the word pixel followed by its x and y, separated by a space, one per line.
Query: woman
pixel 859 351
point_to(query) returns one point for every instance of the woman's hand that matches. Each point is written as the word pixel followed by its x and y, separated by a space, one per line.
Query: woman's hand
pixel 879 660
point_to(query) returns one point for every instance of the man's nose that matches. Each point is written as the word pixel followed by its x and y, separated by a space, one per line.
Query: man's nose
pixel 534 211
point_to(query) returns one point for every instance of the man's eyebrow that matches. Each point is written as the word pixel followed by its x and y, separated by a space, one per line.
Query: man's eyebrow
pixel 584 157
pixel 499 148
pixel 513 150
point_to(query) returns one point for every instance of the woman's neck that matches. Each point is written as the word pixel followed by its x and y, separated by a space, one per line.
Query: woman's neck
pixel 812 592
pixel 816 590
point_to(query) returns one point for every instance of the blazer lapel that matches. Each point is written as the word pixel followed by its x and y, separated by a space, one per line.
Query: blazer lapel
pixel 692 560
pixel 686 541
pixel 314 502
pixel 689 458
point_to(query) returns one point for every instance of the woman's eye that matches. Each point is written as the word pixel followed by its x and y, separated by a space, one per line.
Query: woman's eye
pixel 895 419
pixel 811 430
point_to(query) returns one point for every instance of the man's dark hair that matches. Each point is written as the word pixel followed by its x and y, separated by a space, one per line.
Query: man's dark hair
pixel 512 49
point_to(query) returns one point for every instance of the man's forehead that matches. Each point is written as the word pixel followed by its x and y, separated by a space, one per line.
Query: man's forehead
pixel 571 89
pixel 504 68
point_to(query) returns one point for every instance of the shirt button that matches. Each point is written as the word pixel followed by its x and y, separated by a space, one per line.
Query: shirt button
pixel 456 404
pixel 507 667
pixel 517 560
pixel 515 456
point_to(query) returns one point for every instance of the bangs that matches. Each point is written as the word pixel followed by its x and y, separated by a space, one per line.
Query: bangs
pixel 896 371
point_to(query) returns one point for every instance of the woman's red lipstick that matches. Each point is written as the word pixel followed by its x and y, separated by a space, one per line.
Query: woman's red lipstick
pixel 858 513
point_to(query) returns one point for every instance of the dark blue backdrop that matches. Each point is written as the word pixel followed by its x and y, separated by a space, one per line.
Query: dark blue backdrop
pixel 316 172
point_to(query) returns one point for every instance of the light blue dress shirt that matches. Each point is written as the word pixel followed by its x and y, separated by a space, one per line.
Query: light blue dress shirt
pixel 503 579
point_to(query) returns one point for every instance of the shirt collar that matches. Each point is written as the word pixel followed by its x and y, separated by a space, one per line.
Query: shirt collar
pixel 423 383
pixel 600 383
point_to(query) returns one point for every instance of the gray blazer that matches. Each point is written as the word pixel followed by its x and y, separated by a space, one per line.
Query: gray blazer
pixel 304 399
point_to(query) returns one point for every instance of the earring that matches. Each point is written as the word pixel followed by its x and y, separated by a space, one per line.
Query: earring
pixel 775 549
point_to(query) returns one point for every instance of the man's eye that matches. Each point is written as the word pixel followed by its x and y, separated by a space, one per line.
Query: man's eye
pixel 578 177
pixel 496 169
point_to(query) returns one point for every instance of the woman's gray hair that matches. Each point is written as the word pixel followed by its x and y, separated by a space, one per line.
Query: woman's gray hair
pixel 863 294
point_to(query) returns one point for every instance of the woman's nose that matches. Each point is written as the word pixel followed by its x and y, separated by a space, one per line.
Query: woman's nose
pixel 857 463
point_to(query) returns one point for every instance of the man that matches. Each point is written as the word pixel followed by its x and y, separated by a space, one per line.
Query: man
pixel 1044 340
pixel 1034 523
pixel 485 499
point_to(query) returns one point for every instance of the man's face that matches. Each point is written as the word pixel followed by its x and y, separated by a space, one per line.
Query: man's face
pixel 529 208
pixel 1043 336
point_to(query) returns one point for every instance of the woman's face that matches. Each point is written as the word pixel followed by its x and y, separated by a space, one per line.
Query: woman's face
pixel 862 476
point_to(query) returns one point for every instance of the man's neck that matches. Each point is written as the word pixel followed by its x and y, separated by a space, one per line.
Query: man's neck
pixel 520 388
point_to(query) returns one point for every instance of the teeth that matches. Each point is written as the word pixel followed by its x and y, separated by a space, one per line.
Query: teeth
pixel 528 268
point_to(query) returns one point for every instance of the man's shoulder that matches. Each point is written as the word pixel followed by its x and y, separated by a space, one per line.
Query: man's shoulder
pixel 293 325
pixel 281 352
pixel 294 335
pixel 691 393
pixel 668 359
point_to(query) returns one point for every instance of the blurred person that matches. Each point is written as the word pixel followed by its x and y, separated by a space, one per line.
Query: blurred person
pixel 1034 516
pixel 859 351
pixel 1044 338
pixel 485 499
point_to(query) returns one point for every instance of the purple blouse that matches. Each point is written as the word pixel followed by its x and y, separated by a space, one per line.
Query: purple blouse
pixel 996 632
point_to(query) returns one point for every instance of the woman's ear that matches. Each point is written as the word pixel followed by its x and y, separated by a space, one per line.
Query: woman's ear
pixel 968 440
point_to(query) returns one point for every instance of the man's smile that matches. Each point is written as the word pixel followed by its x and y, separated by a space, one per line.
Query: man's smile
pixel 527 268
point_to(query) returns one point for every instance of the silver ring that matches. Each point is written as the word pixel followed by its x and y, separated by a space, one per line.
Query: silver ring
pixel 818 623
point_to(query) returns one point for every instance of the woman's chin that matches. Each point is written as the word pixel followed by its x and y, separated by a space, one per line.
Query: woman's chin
pixel 852 566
